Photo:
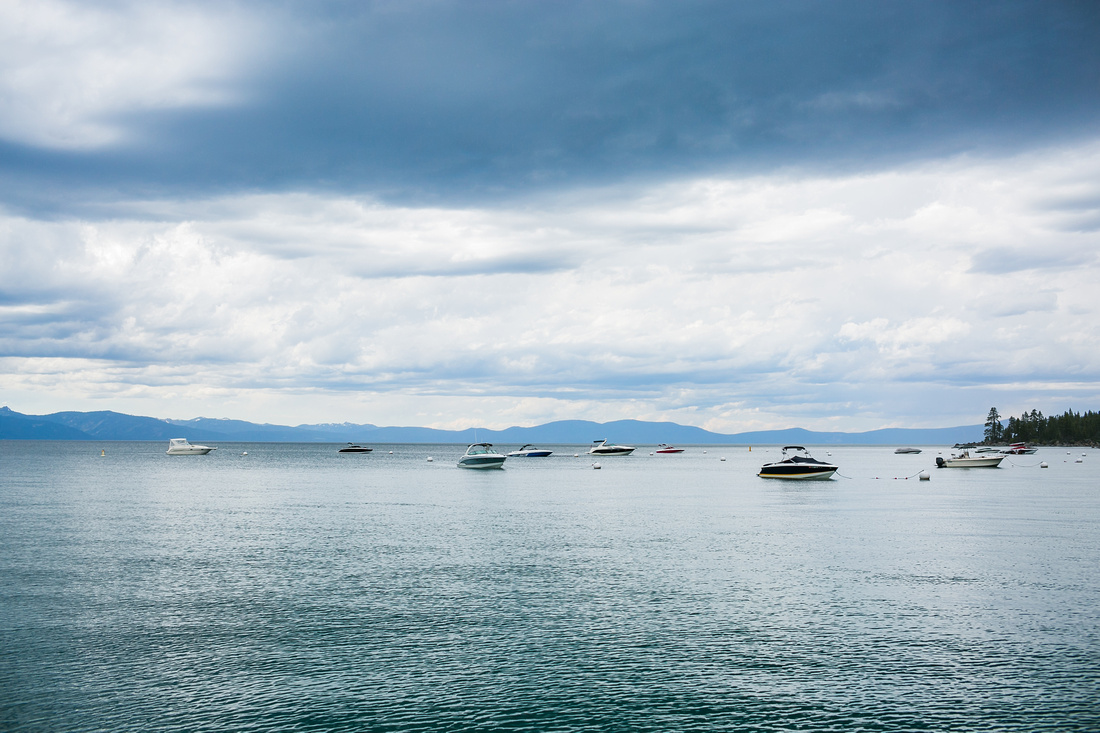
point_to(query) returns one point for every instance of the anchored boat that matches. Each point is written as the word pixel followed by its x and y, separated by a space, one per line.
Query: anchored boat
pixel 965 460
pixel 481 455
pixel 180 447
pixel 529 451
pixel 601 448
pixel 797 463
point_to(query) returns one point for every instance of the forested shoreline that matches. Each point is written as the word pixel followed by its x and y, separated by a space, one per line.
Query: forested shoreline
pixel 1069 428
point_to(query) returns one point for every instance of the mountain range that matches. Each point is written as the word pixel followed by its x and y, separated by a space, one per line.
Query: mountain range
pixel 107 425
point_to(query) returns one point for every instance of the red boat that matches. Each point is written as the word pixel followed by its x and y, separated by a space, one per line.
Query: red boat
pixel 665 448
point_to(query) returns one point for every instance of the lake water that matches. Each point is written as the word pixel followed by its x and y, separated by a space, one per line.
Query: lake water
pixel 296 589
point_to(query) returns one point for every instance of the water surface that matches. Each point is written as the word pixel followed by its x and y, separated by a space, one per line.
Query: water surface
pixel 294 588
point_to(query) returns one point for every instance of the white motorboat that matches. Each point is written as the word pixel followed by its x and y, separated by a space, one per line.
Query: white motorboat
pixel 601 448
pixel 798 464
pixel 907 450
pixel 180 447
pixel 965 460
pixel 529 451
pixel 481 455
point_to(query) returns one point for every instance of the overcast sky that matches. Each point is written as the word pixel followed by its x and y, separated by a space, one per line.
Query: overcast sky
pixel 832 215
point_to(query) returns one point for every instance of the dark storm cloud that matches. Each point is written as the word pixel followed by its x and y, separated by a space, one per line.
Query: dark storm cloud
pixel 448 100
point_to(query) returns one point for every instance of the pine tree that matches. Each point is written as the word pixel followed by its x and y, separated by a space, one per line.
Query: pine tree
pixel 994 431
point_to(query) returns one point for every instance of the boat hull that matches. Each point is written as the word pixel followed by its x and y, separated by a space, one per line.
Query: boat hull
pixel 482 462
pixel 798 473
pixel 530 454
pixel 971 462
pixel 611 451
pixel 355 450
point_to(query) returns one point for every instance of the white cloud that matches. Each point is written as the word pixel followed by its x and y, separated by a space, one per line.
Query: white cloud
pixel 840 303
pixel 70 72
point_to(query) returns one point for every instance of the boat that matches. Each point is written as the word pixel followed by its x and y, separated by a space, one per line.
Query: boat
pixel 665 448
pixel 355 448
pixel 1019 449
pixel 601 448
pixel 180 447
pixel 529 451
pixel 965 460
pixel 989 449
pixel 481 455
pixel 907 450
pixel 797 463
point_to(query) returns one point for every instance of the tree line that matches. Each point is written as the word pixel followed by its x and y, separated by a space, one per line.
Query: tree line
pixel 1069 428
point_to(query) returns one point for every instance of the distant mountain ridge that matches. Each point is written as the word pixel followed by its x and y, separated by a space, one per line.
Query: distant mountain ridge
pixel 108 425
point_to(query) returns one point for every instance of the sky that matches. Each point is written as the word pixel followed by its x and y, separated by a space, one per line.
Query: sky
pixel 840 215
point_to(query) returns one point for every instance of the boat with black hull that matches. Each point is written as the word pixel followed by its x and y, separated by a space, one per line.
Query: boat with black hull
pixel 601 448
pixel 797 464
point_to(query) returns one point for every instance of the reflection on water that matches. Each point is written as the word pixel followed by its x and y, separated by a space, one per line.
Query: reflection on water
pixel 296 588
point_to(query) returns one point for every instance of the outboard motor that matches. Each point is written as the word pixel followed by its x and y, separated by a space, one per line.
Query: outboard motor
pixel 940 463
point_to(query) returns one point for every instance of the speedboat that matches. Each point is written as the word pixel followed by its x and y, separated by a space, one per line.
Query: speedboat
pixel 353 448
pixel 529 451
pixel 180 447
pixel 965 460
pixel 907 450
pixel 481 455
pixel 666 448
pixel 1019 449
pixel 601 448
pixel 798 464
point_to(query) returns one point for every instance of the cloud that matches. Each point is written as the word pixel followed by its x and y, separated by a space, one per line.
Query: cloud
pixel 74 72
pixel 730 302
pixel 443 103
pixel 436 212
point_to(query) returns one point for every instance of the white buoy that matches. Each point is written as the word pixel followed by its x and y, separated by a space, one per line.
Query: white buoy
pixel 722 458
pixel 391 452
pixel 595 465
pixel 923 475
pixel 704 453
pixel 245 453
pixel 430 459
pixel 1043 464
pixel 651 453
pixel 576 455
